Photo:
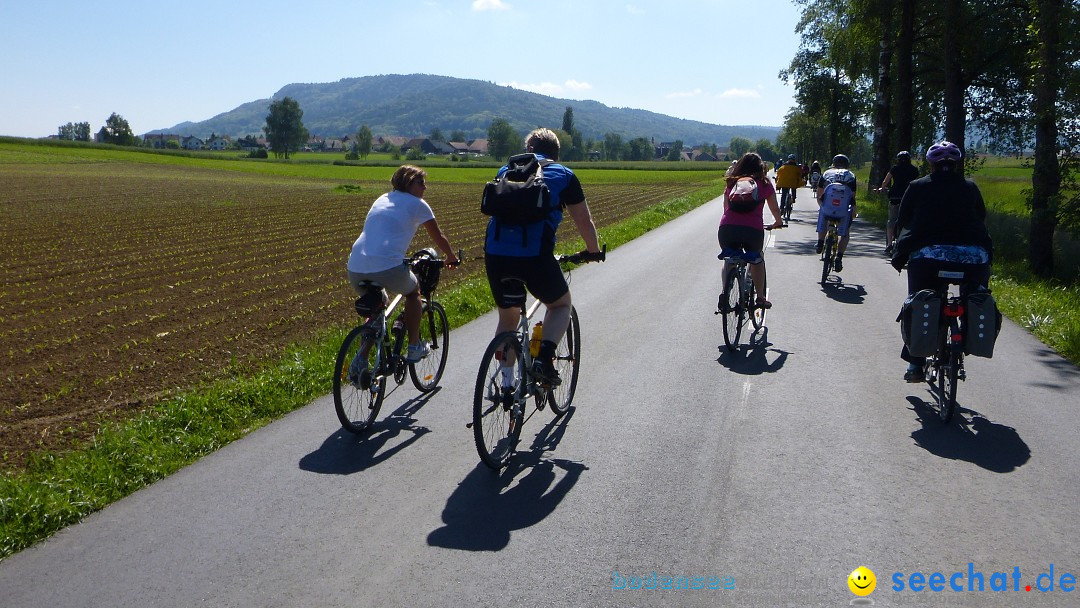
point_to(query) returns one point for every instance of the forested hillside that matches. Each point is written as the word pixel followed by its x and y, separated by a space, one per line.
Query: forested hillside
pixel 413 105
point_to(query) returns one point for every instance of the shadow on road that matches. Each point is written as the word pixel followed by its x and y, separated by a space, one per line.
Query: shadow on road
pixel 345 453
pixel 752 358
pixel 842 292
pixel 991 446
pixel 487 506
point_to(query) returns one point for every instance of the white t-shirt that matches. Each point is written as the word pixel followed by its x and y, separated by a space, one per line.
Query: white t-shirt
pixel 390 226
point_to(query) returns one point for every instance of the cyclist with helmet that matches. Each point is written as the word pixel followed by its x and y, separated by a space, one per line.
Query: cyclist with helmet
pixel 941 226
pixel 788 177
pixel 836 200
pixel 377 254
pixel 896 182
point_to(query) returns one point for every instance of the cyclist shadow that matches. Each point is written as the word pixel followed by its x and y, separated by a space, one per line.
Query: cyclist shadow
pixel 844 293
pixel 752 359
pixel 988 445
pixel 487 507
pixel 345 453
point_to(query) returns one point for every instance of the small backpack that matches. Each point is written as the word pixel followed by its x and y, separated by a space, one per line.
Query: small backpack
pixel 519 196
pixel 744 196
pixel 836 201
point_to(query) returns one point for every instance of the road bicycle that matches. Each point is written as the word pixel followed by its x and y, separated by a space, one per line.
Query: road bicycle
pixel 787 203
pixel 828 250
pixel 505 383
pixel 738 300
pixel 945 369
pixel 359 389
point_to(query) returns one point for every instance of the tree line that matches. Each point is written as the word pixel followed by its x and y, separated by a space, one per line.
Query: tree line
pixel 898 74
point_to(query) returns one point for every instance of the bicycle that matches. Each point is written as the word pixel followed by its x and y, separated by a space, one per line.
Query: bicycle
pixel 505 382
pixel 359 390
pixel 946 367
pixel 787 203
pixel 738 300
pixel 828 250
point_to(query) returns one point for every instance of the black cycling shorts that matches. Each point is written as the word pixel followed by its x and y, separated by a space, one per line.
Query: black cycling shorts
pixel 510 276
pixel 746 238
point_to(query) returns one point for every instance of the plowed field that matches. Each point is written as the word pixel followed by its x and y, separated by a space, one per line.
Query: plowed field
pixel 121 282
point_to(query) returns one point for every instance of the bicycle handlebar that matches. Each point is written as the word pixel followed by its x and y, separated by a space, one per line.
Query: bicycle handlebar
pixel 584 256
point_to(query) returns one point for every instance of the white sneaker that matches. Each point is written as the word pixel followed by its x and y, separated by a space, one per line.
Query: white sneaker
pixel 417 352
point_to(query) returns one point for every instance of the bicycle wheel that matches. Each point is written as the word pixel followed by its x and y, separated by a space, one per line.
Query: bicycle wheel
pixel 732 309
pixel 498 402
pixel 567 358
pixel 948 370
pixel 827 258
pixel 789 202
pixel 435 331
pixel 757 314
pixel 357 400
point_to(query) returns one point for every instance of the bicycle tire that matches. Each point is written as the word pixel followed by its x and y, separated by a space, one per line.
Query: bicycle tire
pixel 757 313
pixel 498 415
pixel 731 309
pixel 435 331
pixel 789 203
pixel 948 370
pixel 567 360
pixel 827 259
pixel 357 403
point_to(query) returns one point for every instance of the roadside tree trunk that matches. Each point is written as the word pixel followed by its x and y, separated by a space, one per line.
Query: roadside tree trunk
pixel 1046 178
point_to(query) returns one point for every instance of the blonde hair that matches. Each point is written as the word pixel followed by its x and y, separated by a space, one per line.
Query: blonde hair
pixel 405 176
pixel 543 141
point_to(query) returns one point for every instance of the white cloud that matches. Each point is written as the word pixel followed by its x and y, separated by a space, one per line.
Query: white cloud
pixel 550 88
pixel 634 9
pixel 682 94
pixel 489 5
pixel 737 93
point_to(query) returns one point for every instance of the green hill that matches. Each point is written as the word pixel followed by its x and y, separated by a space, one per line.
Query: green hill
pixel 413 105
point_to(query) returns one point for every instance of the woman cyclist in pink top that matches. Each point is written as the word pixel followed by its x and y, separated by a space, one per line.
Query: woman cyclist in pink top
pixel 745 230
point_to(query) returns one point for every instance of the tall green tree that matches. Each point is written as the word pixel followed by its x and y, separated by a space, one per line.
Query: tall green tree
pixel 363 141
pixel 436 135
pixel 457 135
pixel 284 128
pixel 568 120
pixel 117 131
pixel 675 151
pixel 739 146
pixel 79 131
pixel 614 148
pixel 502 139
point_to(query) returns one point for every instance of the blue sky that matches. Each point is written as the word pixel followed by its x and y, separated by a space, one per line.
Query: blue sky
pixel 159 63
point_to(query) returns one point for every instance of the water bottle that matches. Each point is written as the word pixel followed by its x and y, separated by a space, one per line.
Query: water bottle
pixel 537 336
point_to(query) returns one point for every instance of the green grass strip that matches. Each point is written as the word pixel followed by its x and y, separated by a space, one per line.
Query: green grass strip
pixel 58 489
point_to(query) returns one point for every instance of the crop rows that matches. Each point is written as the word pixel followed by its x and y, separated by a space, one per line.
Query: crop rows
pixel 120 282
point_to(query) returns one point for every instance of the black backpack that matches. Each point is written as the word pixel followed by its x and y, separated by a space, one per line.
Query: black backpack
pixel 519 196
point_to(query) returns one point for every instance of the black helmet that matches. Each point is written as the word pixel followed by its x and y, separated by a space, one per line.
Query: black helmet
pixel 840 161
pixel 903 155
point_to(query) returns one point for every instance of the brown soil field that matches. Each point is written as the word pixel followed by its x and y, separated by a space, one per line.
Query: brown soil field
pixel 121 283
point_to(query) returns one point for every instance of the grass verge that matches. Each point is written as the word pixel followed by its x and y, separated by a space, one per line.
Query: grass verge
pixel 58 489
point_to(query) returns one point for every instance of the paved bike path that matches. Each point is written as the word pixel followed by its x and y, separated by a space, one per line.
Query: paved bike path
pixel 782 468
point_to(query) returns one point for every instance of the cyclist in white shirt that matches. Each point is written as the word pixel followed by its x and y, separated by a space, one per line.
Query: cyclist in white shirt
pixel 378 254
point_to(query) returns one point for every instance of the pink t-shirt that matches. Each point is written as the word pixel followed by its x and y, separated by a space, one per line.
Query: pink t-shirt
pixel 752 219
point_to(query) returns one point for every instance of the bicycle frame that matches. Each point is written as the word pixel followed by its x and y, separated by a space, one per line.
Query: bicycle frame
pixel 946 367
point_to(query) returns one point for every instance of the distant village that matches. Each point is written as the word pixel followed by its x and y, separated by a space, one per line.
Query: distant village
pixel 425 145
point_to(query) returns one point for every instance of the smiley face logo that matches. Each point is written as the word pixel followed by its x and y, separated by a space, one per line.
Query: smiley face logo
pixel 861 581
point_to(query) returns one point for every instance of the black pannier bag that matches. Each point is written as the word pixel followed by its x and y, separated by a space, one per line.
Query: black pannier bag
pixel 982 324
pixel 920 323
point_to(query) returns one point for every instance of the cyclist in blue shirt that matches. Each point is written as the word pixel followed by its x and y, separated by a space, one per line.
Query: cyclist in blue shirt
pixel 520 258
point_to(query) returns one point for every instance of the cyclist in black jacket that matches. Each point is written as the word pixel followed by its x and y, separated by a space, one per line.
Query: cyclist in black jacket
pixel 941 226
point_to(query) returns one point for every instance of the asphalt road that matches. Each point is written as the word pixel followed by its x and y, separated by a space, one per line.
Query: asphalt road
pixel 775 471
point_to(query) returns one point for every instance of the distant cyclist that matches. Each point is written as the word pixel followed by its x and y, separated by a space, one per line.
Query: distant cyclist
pixel 788 178
pixel 836 200
pixel 944 217
pixel 896 181
pixel 815 174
